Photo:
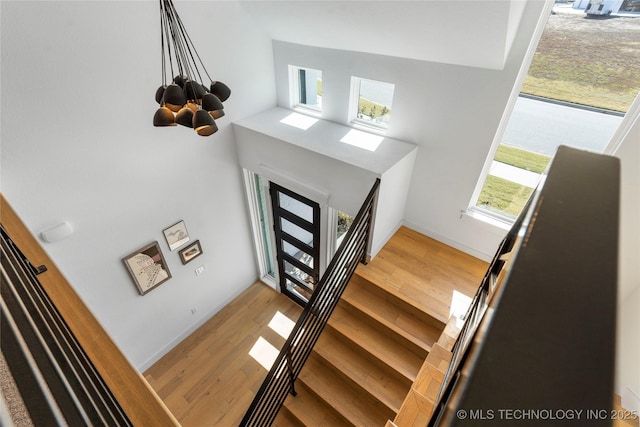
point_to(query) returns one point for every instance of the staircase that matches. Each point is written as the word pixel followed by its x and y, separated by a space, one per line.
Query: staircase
pixel 382 355
pixel 366 360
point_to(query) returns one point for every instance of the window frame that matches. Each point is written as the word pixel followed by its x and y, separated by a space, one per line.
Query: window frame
pixel 473 210
pixel 295 91
pixel 354 102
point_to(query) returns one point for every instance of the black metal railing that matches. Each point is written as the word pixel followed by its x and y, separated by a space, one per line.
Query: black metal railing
pixel 58 382
pixel 281 378
pixel 477 308
pixel 480 302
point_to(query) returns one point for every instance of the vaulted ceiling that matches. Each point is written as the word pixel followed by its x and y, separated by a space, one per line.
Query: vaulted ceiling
pixel 475 33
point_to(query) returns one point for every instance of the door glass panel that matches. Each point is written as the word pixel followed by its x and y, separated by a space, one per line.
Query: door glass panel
pixel 296 229
pixel 298 254
pixel 299 233
pixel 296 207
pixel 297 289
pixel 294 271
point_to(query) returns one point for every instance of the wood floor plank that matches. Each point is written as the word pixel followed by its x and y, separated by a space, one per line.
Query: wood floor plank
pixel 209 379
pixel 424 272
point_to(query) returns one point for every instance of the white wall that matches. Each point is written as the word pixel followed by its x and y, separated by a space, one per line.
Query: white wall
pixel 392 199
pixel 78 85
pixel 628 352
pixel 315 163
pixel 627 142
pixel 450 111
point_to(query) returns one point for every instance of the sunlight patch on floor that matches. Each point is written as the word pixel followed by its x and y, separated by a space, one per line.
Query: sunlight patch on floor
pixel 281 324
pixel 264 353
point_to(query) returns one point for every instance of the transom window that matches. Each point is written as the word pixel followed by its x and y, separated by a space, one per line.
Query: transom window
pixel 306 85
pixel 371 102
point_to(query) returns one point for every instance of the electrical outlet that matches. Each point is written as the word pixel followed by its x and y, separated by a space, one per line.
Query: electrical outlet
pixel 200 270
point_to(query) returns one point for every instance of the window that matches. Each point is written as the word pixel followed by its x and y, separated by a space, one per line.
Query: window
pixel 371 103
pixel 344 223
pixel 305 88
pixel 575 93
pixel 262 203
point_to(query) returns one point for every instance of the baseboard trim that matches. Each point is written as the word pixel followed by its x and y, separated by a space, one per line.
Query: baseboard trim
pixel 454 244
pixel 188 331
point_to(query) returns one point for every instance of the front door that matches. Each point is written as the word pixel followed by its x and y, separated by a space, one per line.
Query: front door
pixel 296 222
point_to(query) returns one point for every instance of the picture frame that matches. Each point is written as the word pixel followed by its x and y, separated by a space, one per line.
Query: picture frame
pixel 190 252
pixel 176 235
pixel 147 267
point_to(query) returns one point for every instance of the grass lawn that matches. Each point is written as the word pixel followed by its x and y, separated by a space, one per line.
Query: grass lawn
pixel 504 196
pixel 587 61
pixel 522 159
pixel 365 107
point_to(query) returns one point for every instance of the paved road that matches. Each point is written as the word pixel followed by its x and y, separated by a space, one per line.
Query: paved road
pixel 542 126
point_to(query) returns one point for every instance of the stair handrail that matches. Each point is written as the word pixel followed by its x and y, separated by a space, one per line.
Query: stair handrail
pixel 281 378
pixel 479 304
pixel 64 363
pixel 59 383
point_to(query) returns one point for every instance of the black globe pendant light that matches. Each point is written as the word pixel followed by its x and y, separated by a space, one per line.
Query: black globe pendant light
pixel 186 100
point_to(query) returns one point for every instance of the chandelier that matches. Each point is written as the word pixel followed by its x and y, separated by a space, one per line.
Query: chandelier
pixel 186 101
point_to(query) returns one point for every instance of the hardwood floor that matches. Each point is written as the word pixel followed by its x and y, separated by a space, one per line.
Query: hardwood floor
pixel 424 272
pixel 210 379
pixel 388 320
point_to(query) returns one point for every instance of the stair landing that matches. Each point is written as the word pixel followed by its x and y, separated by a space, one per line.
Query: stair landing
pixel 424 272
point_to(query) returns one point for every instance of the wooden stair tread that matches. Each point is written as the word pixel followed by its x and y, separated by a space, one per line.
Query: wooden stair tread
pixel 309 410
pixel 420 270
pixel 375 378
pixel 286 419
pixel 330 386
pixel 369 338
pixel 378 277
pixel 402 318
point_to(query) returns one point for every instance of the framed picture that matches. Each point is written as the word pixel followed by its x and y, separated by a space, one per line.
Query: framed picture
pixel 190 252
pixel 176 235
pixel 147 267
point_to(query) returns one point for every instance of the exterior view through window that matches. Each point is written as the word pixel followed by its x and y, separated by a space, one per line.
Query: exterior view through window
pixel 374 102
pixel 307 84
pixel 344 222
pixel 582 79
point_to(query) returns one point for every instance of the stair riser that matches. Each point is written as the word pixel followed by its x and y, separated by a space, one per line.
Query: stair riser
pixel 367 389
pixel 406 377
pixel 359 282
pixel 383 329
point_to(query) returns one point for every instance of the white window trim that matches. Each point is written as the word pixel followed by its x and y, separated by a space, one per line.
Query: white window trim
pixel 258 240
pixel 294 92
pixel 490 217
pixel 352 118
pixel 476 211
pixel 332 231
pixel 328 224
